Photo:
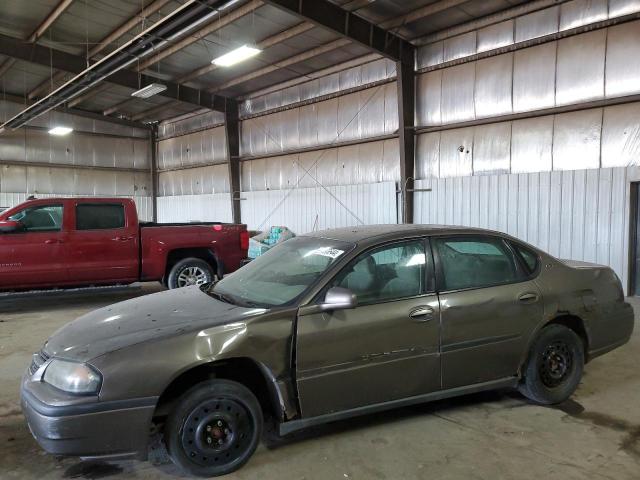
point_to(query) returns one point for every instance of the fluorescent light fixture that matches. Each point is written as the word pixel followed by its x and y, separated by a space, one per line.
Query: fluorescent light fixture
pixel 60 131
pixel 236 56
pixel 149 91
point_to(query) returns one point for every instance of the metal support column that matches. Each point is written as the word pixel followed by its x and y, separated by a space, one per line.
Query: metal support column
pixel 232 131
pixel 406 121
pixel 153 140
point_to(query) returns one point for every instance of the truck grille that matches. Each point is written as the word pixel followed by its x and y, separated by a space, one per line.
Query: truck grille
pixel 38 359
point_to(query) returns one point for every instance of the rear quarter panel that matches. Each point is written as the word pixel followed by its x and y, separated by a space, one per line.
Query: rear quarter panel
pixel 592 293
pixel 159 241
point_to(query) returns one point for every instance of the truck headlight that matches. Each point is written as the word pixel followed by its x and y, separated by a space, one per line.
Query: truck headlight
pixel 72 377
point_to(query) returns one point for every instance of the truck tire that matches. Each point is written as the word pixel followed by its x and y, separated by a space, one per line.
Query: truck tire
pixel 554 368
pixel 214 429
pixel 190 271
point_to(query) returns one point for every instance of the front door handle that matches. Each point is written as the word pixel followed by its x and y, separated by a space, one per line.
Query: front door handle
pixel 52 241
pixel 122 239
pixel 528 297
pixel 421 314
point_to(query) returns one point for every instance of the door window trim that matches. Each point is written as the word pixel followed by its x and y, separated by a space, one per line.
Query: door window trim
pixel 522 275
pixel 430 282
pixel 530 275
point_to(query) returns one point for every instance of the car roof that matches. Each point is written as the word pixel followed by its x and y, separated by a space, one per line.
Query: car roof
pixel 365 232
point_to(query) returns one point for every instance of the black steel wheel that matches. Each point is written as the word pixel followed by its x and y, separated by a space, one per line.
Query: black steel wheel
pixel 554 367
pixel 214 429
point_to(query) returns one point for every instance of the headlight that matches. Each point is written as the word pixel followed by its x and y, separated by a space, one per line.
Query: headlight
pixel 72 377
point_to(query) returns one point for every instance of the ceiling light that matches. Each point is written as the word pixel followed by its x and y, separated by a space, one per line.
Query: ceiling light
pixel 60 131
pixel 149 91
pixel 236 56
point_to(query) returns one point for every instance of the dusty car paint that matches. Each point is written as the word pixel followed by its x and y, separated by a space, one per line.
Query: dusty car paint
pixel 319 364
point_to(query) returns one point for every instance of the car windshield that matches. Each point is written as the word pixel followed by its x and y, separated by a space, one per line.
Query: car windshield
pixel 281 274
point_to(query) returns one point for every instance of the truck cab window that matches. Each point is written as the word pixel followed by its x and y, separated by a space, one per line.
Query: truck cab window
pixel 42 218
pixel 99 216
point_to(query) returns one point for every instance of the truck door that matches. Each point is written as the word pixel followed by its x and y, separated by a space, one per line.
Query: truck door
pixel 104 247
pixel 35 255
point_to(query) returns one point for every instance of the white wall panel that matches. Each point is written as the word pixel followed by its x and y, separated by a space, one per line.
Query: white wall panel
pixel 306 209
pixel 194 208
pixel 578 214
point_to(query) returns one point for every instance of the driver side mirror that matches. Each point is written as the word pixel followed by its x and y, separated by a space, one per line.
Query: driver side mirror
pixel 9 226
pixel 338 298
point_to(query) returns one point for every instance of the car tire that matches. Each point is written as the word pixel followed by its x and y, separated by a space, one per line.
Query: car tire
pixel 554 367
pixel 214 429
pixel 190 271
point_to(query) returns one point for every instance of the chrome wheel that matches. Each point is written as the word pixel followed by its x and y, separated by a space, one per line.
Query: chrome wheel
pixel 192 276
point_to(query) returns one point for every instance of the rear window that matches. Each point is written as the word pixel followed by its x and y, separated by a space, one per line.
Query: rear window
pixel 99 216
pixel 529 257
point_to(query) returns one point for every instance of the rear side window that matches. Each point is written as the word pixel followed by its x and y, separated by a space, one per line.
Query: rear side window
pixel 475 262
pixel 529 257
pixel 99 216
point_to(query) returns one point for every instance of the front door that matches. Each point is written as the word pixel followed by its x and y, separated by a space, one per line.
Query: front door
pixel 36 254
pixel 489 307
pixel 386 348
pixel 104 246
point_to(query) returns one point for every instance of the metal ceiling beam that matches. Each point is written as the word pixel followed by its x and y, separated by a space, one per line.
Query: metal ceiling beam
pixel 301 57
pixel 351 26
pixel 262 45
pixel 150 114
pixel 420 13
pixel 104 43
pixel 232 135
pixel 38 32
pixel 406 138
pixel 114 66
pixel 221 22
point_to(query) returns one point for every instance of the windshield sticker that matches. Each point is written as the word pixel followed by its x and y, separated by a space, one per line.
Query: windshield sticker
pixel 330 252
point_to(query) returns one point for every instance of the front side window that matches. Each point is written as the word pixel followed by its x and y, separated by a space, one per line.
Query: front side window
pixel 99 216
pixel 474 262
pixel 386 273
pixel 282 274
pixel 43 218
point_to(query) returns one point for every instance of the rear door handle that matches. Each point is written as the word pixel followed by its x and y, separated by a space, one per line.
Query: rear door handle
pixel 528 297
pixel 122 239
pixel 52 241
pixel 421 314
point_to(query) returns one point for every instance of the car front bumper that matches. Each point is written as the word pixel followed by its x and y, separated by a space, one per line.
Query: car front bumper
pixel 62 425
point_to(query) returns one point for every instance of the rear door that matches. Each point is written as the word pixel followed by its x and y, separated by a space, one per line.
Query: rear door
pixel 36 255
pixel 104 247
pixel 387 348
pixel 489 305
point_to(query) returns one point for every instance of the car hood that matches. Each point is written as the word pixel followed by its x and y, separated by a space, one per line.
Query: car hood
pixel 142 319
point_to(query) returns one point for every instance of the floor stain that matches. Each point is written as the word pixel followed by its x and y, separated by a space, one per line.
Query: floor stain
pixel 92 470
pixel 631 441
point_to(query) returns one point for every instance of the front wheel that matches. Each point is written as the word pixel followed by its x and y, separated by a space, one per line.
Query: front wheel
pixel 214 429
pixel 554 368
pixel 190 271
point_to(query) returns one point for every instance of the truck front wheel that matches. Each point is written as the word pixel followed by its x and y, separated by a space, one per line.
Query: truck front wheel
pixel 190 271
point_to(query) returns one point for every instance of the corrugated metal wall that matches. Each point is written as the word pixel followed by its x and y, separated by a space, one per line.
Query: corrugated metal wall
pixel 98 159
pixel 307 209
pixel 194 208
pixel 356 116
pixel 576 214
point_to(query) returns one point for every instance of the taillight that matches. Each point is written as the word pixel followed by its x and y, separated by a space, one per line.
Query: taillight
pixel 217 228
pixel 244 240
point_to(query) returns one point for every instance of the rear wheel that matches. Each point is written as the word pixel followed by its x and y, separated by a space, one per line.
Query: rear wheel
pixel 214 429
pixel 190 271
pixel 554 368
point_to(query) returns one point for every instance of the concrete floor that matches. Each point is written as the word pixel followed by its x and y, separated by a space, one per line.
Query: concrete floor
pixel 488 436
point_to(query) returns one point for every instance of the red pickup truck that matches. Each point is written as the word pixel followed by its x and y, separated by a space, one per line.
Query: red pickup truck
pixel 69 242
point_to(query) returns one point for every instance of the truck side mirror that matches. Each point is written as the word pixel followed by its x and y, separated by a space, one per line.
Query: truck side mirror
pixel 9 226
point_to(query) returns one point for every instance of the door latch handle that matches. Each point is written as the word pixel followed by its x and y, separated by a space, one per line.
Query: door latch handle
pixel 52 241
pixel 528 297
pixel 422 314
